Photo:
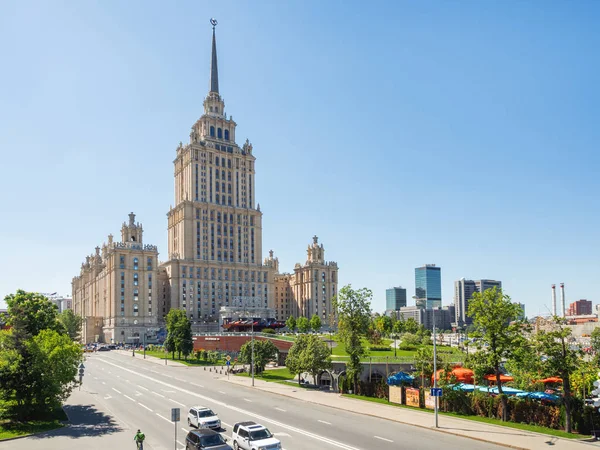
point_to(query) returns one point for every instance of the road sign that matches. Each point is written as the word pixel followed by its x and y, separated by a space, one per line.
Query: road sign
pixel 175 415
pixel 81 372
pixel 81 366
pixel 436 392
pixel 228 358
pixel 228 363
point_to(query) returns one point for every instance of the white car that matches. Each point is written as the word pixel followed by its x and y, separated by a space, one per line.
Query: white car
pixel 202 417
pixel 252 436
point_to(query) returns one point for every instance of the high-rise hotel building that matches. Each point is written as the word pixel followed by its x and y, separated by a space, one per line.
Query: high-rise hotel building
pixel 215 233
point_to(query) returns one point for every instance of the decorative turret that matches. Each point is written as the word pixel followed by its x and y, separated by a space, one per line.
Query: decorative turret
pixel 131 232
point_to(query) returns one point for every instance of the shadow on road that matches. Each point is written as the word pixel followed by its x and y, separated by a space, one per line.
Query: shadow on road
pixel 84 420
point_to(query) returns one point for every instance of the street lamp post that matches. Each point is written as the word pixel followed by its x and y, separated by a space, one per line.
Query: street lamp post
pixel 395 344
pixel 252 337
pixel 435 370
pixel 144 343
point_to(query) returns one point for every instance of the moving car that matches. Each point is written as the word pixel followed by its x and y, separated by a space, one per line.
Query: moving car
pixel 209 439
pixel 252 436
pixel 202 417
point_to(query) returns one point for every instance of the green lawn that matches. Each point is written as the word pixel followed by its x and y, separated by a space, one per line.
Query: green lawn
pixel 519 426
pixel 339 352
pixel 282 374
pixel 10 430
pixel 190 361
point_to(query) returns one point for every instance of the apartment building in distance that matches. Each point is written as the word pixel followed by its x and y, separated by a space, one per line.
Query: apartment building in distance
pixel 395 298
pixel 580 308
pixel 463 291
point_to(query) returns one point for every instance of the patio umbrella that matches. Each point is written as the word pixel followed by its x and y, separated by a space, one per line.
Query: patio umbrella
pixel 399 379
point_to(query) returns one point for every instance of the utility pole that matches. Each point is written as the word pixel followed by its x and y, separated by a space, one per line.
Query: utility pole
pixel 144 343
pixel 435 375
pixel 252 351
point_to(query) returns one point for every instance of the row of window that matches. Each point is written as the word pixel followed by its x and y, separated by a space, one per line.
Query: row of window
pixel 136 262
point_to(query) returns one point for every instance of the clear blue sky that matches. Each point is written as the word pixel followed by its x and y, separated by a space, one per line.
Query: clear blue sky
pixel 459 133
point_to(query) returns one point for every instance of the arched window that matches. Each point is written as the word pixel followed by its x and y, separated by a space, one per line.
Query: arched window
pixel 212 131
pixel 219 217
pixel 220 133
pixel 229 200
pixel 226 135
pixel 217 199
pixel 135 264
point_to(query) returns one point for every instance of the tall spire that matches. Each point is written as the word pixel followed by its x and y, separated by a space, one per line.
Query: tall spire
pixel 214 71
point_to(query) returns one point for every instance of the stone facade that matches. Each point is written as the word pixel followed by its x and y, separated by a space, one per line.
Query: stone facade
pixel 114 290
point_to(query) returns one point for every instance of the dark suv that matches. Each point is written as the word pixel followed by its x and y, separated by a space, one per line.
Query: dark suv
pixel 205 438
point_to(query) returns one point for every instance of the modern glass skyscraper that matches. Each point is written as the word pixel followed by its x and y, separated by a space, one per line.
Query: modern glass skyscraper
pixel 428 286
pixel 395 298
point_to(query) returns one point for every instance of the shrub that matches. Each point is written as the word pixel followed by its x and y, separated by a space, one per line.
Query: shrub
pixel 268 331
pixel 379 348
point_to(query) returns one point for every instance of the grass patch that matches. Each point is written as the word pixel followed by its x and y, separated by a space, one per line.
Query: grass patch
pixel 189 362
pixel 10 429
pixel 282 374
pixel 488 420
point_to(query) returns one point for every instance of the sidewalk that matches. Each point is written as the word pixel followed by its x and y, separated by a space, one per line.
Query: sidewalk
pixel 508 437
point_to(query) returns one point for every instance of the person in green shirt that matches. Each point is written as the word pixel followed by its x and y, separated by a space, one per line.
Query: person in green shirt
pixel 139 439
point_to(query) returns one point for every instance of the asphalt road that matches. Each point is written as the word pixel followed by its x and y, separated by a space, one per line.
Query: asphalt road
pixel 140 394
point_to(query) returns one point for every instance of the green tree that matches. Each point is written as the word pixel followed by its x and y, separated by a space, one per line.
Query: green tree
pixel 353 310
pixel 303 324
pixel 72 323
pixel 32 312
pixel 290 323
pixel 316 357
pixel 399 326
pixel 411 326
pixel 315 323
pixel 176 321
pixel 595 344
pixel 186 343
pixel 294 360
pixel 264 351
pixel 492 313
pixel 409 341
pixel 560 360
pixel 383 324
pixel 424 363
pixel 524 364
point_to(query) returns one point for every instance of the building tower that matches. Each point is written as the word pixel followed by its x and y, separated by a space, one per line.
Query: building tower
pixel 214 227
pixel 562 300
pixel 463 292
pixel 428 286
pixel 553 300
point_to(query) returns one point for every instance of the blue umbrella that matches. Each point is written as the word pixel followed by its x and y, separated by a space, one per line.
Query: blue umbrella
pixel 399 378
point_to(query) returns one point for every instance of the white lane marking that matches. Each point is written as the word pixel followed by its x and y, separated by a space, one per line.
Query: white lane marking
pixel 175 401
pixel 127 396
pixel 383 439
pixel 103 382
pixel 118 376
pixel 138 393
pixel 322 421
pixel 179 443
pixel 226 424
pixel 221 392
pixel 153 371
pixel 164 390
pixel 163 417
pixel 279 409
pixel 142 387
pixel 160 395
pixel 108 396
pixel 95 378
pixel 199 385
pixel 179 379
pixel 184 430
pixel 144 406
pixel 239 410
pixel 117 391
pixel 246 400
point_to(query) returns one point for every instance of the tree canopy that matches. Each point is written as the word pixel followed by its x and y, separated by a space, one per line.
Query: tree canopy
pixel 353 310
pixel 72 323
pixel 290 323
pixel 264 351
pixel 303 324
pixel 315 323
pixel 308 354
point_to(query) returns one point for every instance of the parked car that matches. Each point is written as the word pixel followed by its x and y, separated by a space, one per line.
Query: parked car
pixel 209 439
pixel 202 417
pixel 252 436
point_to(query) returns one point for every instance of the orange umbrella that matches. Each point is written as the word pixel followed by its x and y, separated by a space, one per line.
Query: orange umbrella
pixel 503 378
pixel 460 373
pixel 550 380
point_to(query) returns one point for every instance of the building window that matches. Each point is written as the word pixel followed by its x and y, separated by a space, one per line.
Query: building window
pixel 122 262
pixel 220 133
pixel 135 263
pixel 135 309
pixel 212 131
pixel 149 263
pixel 226 135
pixel 135 279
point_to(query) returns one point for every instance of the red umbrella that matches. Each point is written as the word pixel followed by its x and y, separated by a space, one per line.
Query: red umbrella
pixel 550 380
